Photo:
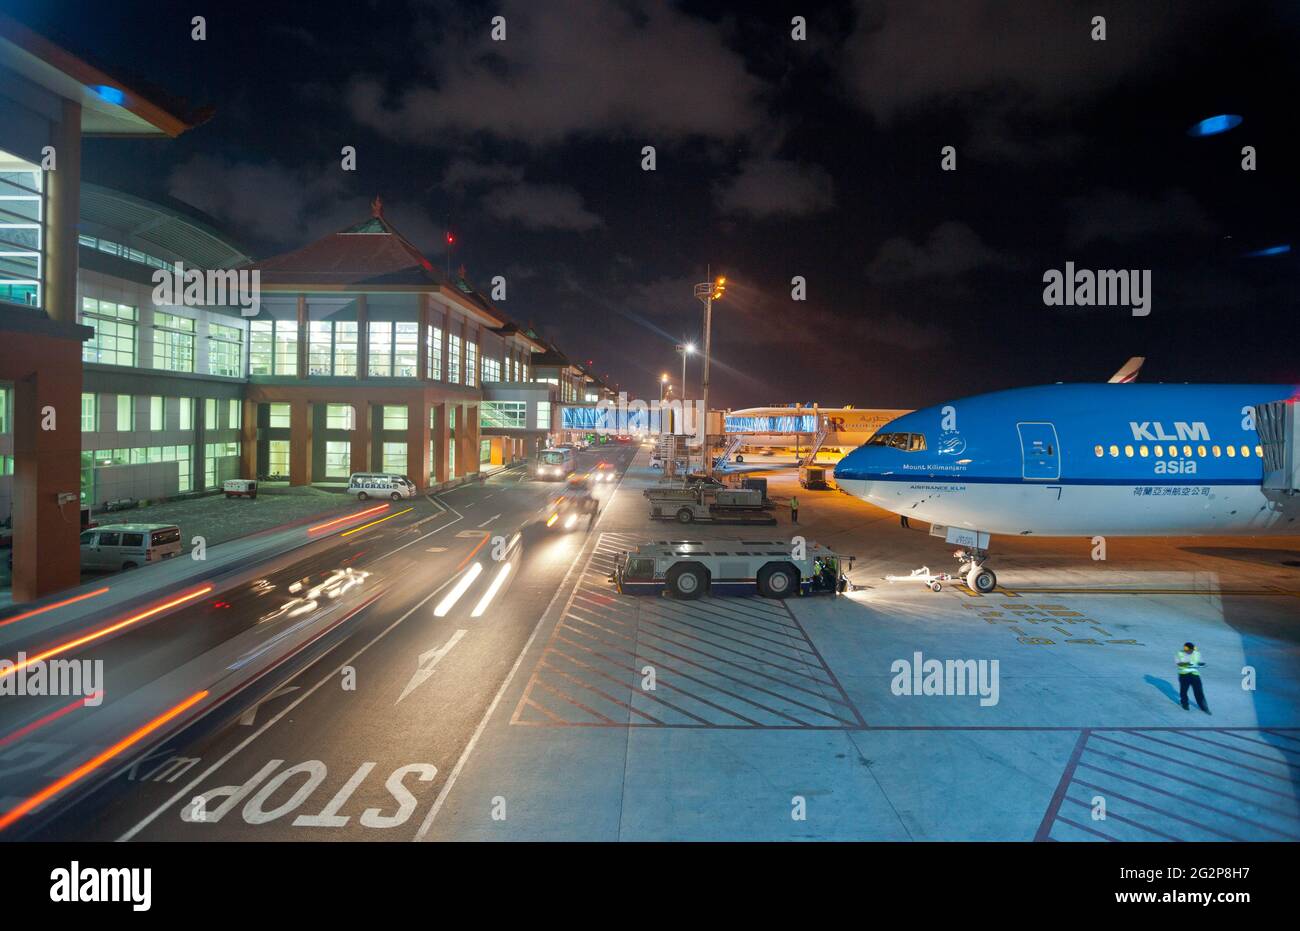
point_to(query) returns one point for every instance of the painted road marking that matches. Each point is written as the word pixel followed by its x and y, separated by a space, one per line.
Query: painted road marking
pixel 249 716
pixel 426 663
pixel 229 755
pixel 488 521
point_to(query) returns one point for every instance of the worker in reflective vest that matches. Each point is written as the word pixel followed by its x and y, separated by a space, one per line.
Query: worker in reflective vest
pixel 1189 676
pixel 794 510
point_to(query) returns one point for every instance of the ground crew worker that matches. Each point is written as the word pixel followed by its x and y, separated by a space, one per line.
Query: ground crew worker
pixel 794 510
pixel 1189 676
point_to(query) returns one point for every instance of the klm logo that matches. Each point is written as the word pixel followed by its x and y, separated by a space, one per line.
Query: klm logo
pixel 1147 430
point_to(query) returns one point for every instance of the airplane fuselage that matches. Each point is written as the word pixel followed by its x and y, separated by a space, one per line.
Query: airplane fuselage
pixel 1067 460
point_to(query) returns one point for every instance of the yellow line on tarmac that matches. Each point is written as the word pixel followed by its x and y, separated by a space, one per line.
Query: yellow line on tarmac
pixel 373 522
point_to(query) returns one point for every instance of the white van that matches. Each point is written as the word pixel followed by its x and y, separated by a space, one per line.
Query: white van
pixel 380 485
pixel 555 463
pixel 126 546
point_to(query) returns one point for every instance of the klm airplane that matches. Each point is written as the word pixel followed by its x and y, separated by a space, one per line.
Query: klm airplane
pixel 1077 460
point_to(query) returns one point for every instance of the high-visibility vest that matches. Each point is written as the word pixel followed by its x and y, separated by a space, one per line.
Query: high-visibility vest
pixel 1194 658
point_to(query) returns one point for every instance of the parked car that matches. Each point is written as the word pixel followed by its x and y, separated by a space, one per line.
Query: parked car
pixel 380 485
pixel 127 546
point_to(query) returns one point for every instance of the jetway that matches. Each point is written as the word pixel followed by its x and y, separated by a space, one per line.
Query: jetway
pixel 1276 423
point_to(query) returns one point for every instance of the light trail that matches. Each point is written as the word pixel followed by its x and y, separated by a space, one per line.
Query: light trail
pixel 102 632
pixel 492 591
pixel 347 517
pixel 453 596
pixel 50 607
pixel 348 533
pixel 99 760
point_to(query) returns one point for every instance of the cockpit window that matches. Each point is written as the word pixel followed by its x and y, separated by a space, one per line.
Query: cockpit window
pixel 907 442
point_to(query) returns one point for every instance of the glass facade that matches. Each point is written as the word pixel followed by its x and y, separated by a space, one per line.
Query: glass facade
pixel 505 415
pixel 22 230
pixel 225 350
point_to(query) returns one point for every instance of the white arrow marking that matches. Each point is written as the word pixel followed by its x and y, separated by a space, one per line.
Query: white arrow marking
pixel 427 662
pixel 249 716
pixel 489 520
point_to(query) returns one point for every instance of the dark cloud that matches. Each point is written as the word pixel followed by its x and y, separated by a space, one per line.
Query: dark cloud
pixel 541 207
pixel 571 68
pixel 951 250
pixel 463 173
pixel 771 187
pixel 1113 216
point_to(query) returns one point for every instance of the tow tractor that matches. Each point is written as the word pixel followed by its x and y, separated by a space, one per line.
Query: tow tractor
pixel 689 568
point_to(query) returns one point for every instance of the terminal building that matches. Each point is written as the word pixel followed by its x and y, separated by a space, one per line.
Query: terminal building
pixel 361 355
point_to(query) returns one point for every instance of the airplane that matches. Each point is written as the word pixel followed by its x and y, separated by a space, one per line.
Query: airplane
pixel 1089 460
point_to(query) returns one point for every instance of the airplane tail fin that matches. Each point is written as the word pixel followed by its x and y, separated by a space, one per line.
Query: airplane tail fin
pixel 1128 372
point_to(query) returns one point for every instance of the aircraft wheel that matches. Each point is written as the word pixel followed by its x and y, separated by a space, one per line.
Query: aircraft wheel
pixel 982 581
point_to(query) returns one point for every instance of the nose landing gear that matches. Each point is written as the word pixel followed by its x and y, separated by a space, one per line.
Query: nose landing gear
pixel 979 578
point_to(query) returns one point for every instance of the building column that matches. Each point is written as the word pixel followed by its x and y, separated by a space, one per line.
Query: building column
pixel 422 348
pixel 247 436
pixel 64 204
pixel 363 337
pixel 300 442
pixel 359 457
pixel 417 441
pixel 441 437
pixel 47 464
pixel 303 333
pixel 467 436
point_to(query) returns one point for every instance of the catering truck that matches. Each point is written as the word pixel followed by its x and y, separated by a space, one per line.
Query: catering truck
pixel 689 568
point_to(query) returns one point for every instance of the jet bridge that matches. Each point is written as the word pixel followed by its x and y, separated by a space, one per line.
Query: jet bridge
pixel 1280 439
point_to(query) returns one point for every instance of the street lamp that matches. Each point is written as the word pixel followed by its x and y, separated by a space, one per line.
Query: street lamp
pixel 685 349
pixel 708 292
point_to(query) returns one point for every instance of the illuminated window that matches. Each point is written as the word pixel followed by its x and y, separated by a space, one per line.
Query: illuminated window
pixel 279 415
pixel 261 347
pixel 225 350
pixel 453 358
pixel 156 418
pixel 1099 451
pixel 544 418
pixel 1187 451
pixel 125 413
pixel 114 325
pixel 22 229
pixel 1128 451
pixel 1142 451
pixel 210 413
pixel 1160 450
pixel 433 339
pixel 1216 451
pixel 1259 451
pixel 173 342
pixel 395 458
pixel 1200 451
pixel 186 413
pixel 1231 451
pixel 89 413
pixel 491 369
pixel 235 414
pixel 277 458
pixel 1114 451
pixel 406 355
pixel 1245 452
pixel 338 457
pixel 504 415
pixel 471 362
pixel 394 416
pixel 286 347
pixel 339 417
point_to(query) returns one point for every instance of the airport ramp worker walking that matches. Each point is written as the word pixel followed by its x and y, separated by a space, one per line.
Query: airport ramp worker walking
pixel 1189 676
pixel 794 509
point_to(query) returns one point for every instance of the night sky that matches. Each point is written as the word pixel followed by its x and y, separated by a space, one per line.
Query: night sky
pixel 775 158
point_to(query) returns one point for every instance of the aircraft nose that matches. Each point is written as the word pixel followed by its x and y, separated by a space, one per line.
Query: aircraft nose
pixel 855 467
